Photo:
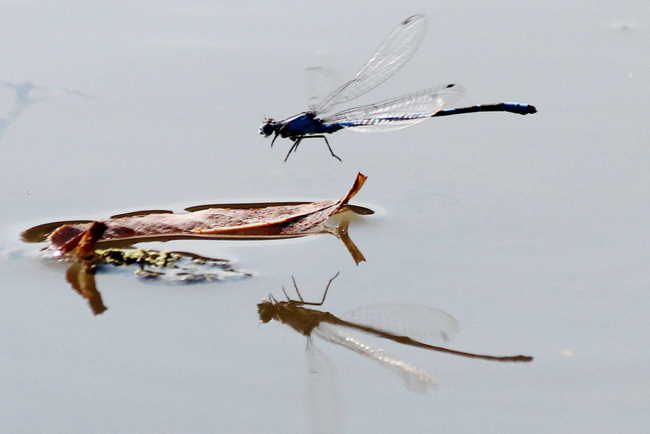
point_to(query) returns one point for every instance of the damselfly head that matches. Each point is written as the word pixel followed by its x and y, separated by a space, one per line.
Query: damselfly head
pixel 268 127
pixel 266 310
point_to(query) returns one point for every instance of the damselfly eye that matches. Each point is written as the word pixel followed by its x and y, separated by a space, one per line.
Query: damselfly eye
pixel 268 128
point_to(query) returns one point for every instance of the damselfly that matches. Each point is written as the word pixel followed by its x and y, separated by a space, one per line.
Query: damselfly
pixel 428 322
pixel 391 114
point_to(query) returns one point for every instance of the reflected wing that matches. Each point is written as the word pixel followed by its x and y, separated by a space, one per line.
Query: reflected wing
pixel 393 53
pixel 421 323
pixel 415 378
pixel 397 113
pixel 325 405
pixel 438 323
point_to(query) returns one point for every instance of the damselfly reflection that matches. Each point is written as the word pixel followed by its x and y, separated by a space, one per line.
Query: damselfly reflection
pixel 391 114
pixel 328 327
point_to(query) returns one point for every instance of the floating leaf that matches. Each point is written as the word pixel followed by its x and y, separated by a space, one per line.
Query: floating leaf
pixel 234 222
pixel 95 245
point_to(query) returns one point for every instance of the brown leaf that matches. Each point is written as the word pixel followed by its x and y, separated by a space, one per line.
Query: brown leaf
pixel 287 220
pixel 83 245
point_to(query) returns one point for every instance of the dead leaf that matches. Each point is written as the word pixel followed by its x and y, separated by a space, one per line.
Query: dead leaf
pixel 284 221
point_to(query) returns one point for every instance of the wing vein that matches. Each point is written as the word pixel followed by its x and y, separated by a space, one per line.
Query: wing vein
pixel 393 53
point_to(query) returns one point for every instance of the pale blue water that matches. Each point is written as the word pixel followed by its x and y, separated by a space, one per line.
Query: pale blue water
pixel 530 231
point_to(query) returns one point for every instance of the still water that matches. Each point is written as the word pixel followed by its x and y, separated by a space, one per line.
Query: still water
pixel 530 232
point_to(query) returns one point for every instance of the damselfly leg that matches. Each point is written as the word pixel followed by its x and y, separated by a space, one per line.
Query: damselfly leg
pixel 308 303
pixel 297 141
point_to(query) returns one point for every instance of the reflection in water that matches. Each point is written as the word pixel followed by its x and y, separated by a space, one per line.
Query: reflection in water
pixel 152 265
pixel 81 277
pixel 326 410
pixel 336 330
pixel 25 97
pixel 389 321
pixel 169 267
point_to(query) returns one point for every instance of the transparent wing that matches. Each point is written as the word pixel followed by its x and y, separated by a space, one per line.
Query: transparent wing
pixel 319 82
pixel 415 378
pixel 393 53
pixel 424 324
pixel 397 113
pixel 326 413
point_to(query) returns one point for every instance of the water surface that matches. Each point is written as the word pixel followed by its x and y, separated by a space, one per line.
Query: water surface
pixel 530 231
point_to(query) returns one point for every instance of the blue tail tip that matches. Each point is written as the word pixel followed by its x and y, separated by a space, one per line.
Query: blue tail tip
pixel 522 109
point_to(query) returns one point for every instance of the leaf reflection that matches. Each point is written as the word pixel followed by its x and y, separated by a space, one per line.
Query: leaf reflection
pixel 152 265
pixel 81 277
